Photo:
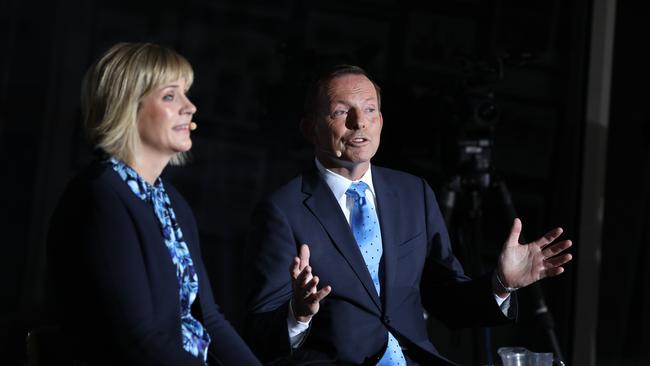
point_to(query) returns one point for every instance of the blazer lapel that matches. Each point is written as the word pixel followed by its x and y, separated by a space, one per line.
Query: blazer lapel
pixel 323 205
pixel 389 219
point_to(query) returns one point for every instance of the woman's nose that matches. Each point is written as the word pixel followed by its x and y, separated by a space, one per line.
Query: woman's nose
pixel 189 107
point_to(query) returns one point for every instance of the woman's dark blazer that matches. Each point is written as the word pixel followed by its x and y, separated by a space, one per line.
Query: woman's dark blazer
pixel 115 284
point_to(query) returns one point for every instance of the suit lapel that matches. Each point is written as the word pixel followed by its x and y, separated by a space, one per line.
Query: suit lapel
pixel 323 205
pixel 389 218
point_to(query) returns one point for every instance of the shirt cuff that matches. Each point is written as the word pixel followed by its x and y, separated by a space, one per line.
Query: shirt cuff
pixel 504 303
pixel 297 329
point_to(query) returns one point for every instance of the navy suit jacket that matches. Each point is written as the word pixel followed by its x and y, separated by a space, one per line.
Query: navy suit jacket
pixel 418 269
pixel 116 287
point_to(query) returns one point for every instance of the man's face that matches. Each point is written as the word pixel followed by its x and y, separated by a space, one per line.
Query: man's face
pixel 348 122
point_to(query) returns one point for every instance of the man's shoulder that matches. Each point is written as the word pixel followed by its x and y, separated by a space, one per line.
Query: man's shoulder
pixel 297 186
pixel 397 178
pixel 290 188
pixel 389 173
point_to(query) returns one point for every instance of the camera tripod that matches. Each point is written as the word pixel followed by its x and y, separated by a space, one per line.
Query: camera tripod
pixel 466 219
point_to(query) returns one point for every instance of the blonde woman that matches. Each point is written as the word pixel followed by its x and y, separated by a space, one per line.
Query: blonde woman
pixel 123 246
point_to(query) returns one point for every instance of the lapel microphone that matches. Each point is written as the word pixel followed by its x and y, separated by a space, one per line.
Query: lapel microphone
pixel 335 152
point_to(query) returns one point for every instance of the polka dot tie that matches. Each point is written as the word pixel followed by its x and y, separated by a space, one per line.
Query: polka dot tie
pixel 365 228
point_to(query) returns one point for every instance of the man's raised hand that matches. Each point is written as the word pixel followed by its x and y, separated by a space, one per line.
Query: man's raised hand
pixel 522 264
pixel 306 297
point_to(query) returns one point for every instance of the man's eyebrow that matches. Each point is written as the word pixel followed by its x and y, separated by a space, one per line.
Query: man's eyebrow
pixel 339 102
pixel 343 102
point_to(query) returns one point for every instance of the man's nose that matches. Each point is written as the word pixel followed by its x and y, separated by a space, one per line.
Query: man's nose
pixel 355 120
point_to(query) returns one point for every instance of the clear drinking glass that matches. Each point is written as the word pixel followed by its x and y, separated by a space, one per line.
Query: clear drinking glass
pixel 520 356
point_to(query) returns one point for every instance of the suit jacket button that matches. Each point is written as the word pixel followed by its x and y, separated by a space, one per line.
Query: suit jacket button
pixel 386 319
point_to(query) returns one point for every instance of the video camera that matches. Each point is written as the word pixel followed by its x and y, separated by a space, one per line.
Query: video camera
pixel 474 114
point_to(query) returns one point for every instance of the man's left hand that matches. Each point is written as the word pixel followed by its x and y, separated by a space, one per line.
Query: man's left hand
pixel 522 264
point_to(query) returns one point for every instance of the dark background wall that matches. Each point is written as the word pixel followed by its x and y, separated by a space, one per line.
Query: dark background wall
pixel 251 60
pixel 624 305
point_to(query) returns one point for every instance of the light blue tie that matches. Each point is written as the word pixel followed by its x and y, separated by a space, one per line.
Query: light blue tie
pixel 365 227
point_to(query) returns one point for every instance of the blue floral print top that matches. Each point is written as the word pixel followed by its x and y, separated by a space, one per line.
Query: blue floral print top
pixel 195 337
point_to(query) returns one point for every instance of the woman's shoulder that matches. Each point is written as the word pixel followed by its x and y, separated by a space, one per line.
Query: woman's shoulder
pixel 96 181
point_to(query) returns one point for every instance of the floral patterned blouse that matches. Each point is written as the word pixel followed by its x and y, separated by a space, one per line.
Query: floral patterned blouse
pixel 195 338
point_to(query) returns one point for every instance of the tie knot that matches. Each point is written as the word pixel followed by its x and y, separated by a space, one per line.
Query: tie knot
pixel 357 190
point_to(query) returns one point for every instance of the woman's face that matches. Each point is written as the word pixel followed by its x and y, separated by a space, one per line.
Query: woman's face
pixel 164 116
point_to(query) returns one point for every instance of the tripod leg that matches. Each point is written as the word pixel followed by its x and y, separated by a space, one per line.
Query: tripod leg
pixel 448 199
pixel 469 231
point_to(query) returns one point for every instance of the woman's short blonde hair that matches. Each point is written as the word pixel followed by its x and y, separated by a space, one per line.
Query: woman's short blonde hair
pixel 113 87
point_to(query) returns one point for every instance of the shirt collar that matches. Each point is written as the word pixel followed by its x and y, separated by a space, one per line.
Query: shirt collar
pixel 339 184
pixel 138 185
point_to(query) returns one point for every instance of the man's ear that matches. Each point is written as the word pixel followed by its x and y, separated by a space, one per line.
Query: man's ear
pixel 307 129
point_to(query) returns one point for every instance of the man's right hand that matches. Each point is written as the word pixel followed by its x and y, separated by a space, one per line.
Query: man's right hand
pixel 306 298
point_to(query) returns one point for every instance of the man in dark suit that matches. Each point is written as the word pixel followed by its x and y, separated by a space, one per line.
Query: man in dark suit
pixel 376 239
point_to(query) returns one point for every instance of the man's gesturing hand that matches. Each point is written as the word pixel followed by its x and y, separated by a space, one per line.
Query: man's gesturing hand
pixel 520 265
pixel 306 298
